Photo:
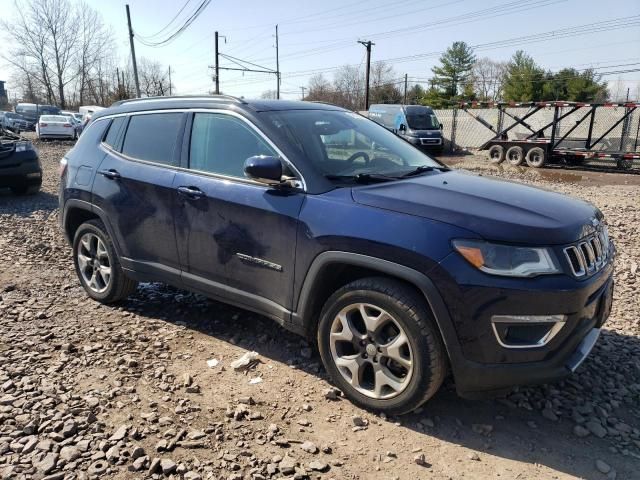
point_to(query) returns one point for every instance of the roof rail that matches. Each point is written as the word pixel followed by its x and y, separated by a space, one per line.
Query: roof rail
pixel 178 97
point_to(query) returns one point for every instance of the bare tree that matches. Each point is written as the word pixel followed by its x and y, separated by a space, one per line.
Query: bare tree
pixel 348 85
pixel 488 78
pixel 154 78
pixel 269 95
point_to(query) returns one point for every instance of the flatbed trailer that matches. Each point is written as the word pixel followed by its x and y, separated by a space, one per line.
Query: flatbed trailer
pixel 552 141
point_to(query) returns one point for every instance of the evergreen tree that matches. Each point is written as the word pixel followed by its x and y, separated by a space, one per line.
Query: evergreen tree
pixel 454 70
pixel 524 79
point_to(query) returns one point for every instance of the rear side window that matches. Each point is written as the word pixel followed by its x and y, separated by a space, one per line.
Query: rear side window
pixel 221 144
pixel 152 137
pixel 113 134
pixel 85 150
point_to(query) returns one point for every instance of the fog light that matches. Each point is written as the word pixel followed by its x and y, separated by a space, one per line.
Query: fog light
pixel 526 331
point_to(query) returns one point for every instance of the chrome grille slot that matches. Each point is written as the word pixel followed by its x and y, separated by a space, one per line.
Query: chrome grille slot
pixel 589 256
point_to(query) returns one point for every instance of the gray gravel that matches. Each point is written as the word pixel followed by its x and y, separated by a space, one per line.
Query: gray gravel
pixel 125 391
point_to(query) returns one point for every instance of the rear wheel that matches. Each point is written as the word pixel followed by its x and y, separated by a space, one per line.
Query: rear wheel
pixel 536 157
pixel 98 266
pixel 379 343
pixel 515 156
pixel 496 154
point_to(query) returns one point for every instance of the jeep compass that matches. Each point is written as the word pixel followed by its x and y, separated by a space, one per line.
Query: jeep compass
pixel 401 270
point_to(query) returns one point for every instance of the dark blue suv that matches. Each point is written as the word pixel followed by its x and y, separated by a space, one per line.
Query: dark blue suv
pixel 401 269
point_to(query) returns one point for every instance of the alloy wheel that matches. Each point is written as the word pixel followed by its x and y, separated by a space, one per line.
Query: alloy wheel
pixel 94 263
pixel 371 351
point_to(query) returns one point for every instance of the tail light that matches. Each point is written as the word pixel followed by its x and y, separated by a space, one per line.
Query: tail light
pixel 43 124
pixel 62 168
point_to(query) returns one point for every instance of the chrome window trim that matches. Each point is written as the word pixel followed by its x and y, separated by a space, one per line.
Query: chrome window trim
pixel 245 180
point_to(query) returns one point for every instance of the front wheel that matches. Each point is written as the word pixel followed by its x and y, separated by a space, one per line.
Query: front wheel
pixel 98 266
pixel 379 343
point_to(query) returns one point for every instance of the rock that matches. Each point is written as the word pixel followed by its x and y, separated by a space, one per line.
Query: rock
pixel 69 428
pixel 154 467
pixel 482 429
pixel 287 465
pixel 139 463
pixel 192 476
pixel 69 454
pixel 196 435
pixel 594 427
pixel 474 456
pixel 113 454
pixel 48 463
pixel 360 422
pixel 549 415
pixel 319 466
pixel 331 393
pixel 421 460
pixel 309 447
pixel 137 453
pixel 580 431
pixel 167 466
pixel 602 466
pixel 119 434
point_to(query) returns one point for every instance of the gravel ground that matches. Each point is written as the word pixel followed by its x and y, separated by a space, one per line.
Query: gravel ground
pixel 146 388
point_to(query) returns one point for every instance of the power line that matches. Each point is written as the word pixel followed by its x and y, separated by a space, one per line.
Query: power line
pixel 168 24
pixel 201 8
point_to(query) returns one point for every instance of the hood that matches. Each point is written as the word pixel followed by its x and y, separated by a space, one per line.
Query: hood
pixel 495 209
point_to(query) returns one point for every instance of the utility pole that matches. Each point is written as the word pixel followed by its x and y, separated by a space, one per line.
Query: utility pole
pixel 367 44
pixel 217 67
pixel 303 89
pixel 405 88
pixel 277 67
pixel 169 80
pixel 133 53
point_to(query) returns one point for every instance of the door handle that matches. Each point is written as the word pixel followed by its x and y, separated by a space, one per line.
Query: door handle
pixel 110 174
pixel 191 192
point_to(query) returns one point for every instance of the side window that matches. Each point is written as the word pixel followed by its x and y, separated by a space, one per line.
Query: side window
pixel 85 149
pixel 221 143
pixel 152 137
pixel 113 134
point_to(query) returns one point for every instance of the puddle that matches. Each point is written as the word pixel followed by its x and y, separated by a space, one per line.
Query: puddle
pixel 562 177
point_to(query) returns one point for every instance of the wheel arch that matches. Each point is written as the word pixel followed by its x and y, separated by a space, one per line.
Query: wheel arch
pixel 333 269
pixel 76 212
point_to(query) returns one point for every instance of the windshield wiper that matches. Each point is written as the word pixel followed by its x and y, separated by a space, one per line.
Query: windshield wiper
pixel 363 178
pixel 421 169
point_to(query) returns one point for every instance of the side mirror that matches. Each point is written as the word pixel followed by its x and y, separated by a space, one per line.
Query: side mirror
pixel 264 169
pixel 403 127
pixel 441 127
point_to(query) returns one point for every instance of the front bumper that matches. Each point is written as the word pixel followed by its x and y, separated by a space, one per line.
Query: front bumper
pixel 21 170
pixel 480 363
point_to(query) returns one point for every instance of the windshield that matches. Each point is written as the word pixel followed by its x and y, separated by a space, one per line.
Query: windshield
pixel 344 144
pixel 422 121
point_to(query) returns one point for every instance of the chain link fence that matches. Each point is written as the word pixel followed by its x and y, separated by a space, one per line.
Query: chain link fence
pixel 468 129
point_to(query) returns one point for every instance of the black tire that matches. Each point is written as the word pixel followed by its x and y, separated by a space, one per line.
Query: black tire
pixel 412 314
pixel 536 157
pixel 496 154
pixel 515 156
pixel 119 286
pixel 26 190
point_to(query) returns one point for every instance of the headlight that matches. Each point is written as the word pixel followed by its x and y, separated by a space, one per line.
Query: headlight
pixel 507 260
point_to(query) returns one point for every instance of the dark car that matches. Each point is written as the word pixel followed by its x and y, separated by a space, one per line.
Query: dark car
pixel 20 168
pixel 31 112
pixel 14 122
pixel 400 269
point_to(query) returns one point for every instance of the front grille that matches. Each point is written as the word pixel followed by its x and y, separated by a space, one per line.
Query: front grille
pixel 590 255
pixel 430 141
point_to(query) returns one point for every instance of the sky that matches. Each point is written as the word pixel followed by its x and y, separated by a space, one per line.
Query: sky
pixel 409 35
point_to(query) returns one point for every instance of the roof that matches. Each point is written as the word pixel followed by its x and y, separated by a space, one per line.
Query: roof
pixel 210 101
